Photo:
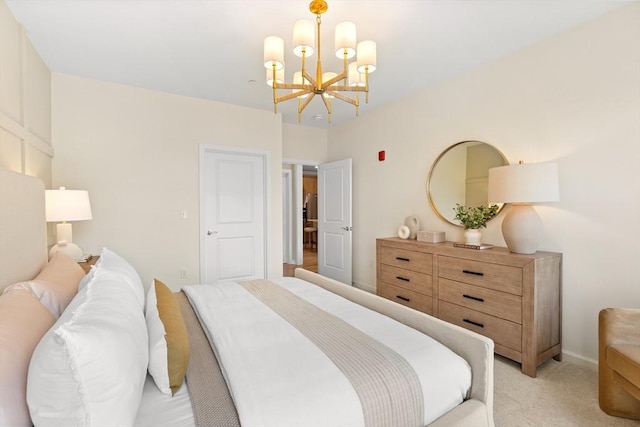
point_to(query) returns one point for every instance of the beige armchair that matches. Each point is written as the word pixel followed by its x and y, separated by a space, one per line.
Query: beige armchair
pixel 619 362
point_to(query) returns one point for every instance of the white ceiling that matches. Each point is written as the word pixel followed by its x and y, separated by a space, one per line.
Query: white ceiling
pixel 212 49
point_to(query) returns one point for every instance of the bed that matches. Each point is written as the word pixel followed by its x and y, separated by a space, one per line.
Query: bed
pixel 111 316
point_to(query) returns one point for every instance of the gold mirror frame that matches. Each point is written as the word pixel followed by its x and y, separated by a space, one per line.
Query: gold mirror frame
pixel 446 186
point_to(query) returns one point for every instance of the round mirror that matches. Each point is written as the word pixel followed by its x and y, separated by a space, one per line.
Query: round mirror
pixel 461 175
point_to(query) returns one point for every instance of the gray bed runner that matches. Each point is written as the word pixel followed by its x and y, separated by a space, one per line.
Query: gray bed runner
pixel 210 398
pixel 388 387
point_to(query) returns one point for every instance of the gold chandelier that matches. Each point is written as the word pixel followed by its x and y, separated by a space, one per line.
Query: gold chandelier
pixel 354 76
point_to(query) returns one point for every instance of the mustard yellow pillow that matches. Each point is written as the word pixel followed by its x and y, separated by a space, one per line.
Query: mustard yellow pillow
pixel 168 339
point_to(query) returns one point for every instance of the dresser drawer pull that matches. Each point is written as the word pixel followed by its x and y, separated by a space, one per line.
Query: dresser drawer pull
pixel 473 323
pixel 403 298
pixel 472 272
pixel 404 279
pixel 399 258
pixel 473 298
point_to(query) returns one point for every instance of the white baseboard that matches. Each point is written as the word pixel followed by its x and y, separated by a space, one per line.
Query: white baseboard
pixel 578 359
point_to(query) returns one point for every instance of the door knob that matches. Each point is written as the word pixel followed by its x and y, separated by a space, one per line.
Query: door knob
pixel 210 232
pixel 346 228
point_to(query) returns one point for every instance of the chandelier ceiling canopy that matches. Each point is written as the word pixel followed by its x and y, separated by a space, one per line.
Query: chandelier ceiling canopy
pixel 353 78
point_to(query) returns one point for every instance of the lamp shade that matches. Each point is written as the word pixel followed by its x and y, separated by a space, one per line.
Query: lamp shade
pixel 524 183
pixel 367 56
pixel 355 78
pixel 273 52
pixel 303 37
pixel 279 77
pixel 345 39
pixel 67 205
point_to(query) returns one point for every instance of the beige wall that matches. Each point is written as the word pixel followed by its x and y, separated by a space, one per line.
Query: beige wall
pixel 573 99
pixel 304 143
pixel 25 103
pixel 136 152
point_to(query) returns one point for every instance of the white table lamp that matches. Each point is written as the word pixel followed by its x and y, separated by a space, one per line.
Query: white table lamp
pixel 521 185
pixel 66 205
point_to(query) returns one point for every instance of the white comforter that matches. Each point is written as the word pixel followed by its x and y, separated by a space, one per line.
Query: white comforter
pixel 278 378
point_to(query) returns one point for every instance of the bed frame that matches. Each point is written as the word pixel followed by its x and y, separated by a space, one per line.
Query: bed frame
pixel 476 349
pixel 23 252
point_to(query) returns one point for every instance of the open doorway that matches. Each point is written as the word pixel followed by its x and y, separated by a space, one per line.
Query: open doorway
pixel 300 221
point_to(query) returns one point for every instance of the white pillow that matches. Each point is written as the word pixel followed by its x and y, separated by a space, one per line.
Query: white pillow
pixel 90 368
pixel 113 263
pixel 157 343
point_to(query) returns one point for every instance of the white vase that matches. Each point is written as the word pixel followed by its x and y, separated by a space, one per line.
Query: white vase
pixel 413 223
pixel 472 236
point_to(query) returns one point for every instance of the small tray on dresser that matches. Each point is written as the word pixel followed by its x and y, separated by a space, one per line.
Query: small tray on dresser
pixel 86 265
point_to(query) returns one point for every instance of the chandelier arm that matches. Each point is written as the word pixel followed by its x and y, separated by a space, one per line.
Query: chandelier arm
pixel 334 80
pixel 343 98
pixel 294 86
pixel 366 85
pixel 309 78
pixel 306 102
pixel 291 96
pixel 327 104
pixel 319 85
pixel 275 93
pixel 343 88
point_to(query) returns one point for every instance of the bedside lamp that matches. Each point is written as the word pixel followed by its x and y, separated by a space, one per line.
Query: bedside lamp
pixel 66 205
pixel 521 185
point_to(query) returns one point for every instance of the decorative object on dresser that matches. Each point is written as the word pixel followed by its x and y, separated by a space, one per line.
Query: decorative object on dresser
pixel 473 218
pixel 523 184
pixel 413 223
pixel 431 236
pixel 513 299
pixel 404 232
pixel 67 205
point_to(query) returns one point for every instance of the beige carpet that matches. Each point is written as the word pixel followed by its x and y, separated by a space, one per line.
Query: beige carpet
pixel 563 394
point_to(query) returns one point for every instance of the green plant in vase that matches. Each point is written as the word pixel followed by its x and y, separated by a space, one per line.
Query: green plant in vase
pixel 474 218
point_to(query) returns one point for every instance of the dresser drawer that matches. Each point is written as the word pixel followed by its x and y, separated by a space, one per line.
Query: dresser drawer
pixel 406 297
pixel 503 332
pixel 501 304
pixel 407 279
pixel 409 260
pixel 492 276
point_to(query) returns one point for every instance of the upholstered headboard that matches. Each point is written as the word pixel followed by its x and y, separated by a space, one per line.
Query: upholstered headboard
pixel 23 228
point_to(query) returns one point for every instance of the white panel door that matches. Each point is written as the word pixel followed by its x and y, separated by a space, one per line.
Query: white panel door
pixel 233 216
pixel 334 220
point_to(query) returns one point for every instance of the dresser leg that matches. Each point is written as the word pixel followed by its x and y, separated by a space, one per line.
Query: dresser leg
pixel 529 369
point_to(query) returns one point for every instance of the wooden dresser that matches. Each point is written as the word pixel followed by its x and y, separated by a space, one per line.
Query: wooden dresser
pixel 513 299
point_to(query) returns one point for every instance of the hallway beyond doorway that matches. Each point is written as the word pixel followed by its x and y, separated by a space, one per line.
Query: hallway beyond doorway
pixel 309 262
